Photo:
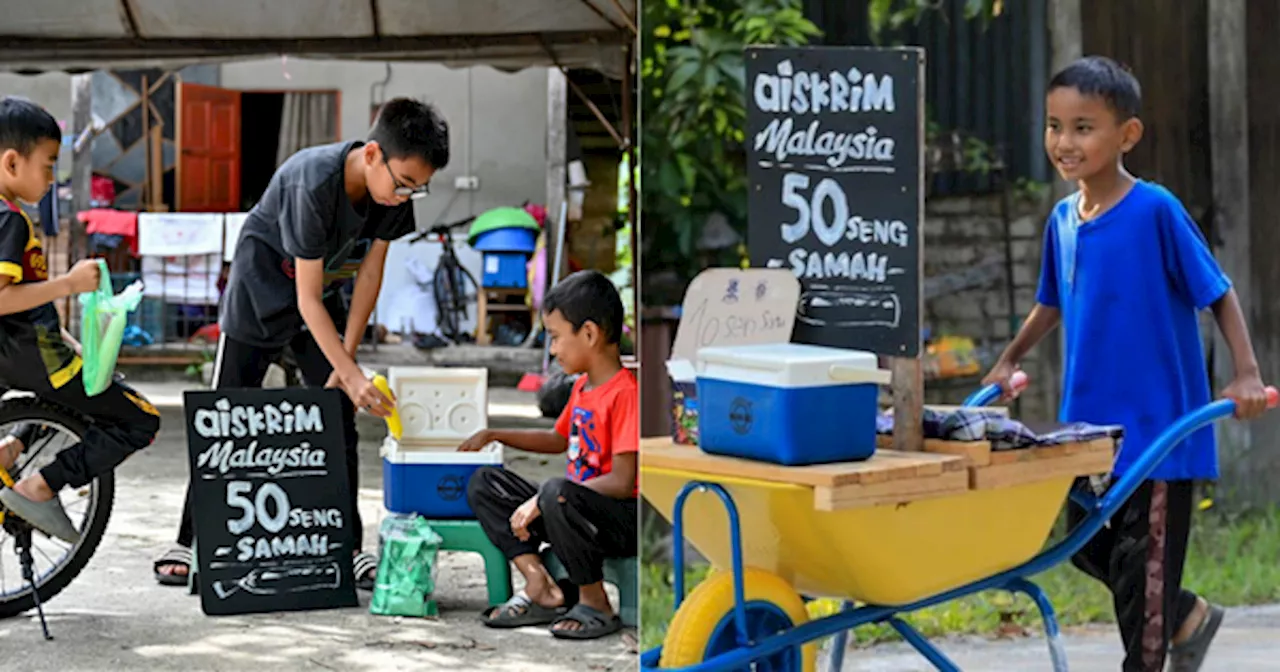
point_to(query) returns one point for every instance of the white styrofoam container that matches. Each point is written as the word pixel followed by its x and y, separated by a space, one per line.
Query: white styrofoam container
pixel 790 365
pixel 438 403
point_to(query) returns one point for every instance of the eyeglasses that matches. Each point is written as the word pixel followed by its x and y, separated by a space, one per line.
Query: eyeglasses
pixel 401 188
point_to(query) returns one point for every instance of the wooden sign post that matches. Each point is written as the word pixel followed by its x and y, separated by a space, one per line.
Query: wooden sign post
pixel 835 161
pixel 271 500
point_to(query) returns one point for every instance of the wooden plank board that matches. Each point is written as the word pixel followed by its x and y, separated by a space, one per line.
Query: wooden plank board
pixel 977 452
pixel 857 495
pixel 1097 459
pixel 884 466
pixel 1050 452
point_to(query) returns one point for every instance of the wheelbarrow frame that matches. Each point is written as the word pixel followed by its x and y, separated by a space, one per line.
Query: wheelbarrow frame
pixel 1100 509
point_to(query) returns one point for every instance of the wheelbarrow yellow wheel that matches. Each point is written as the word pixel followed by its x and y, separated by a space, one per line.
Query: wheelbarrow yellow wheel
pixel 703 626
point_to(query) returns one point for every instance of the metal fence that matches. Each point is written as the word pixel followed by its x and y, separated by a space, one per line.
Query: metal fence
pixel 983 81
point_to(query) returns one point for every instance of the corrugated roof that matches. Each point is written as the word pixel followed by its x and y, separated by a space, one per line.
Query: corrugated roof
pixel 508 34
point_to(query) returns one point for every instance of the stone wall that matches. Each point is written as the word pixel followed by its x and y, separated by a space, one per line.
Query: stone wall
pixel 967 234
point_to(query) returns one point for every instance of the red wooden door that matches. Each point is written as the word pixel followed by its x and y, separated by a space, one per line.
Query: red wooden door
pixel 209 169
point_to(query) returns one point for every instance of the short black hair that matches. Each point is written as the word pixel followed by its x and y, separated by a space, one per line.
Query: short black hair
pixel 23 124
pixel 406 127
pixel 588 296
pixel 1100 76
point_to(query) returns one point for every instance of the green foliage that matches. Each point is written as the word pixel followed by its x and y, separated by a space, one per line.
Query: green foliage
pixel 890 15
pixel 694 115
pixel 1231 561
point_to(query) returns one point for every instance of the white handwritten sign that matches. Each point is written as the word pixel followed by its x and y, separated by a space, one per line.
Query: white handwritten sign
pixel 732 306
pixel 834 140
pixel 271 502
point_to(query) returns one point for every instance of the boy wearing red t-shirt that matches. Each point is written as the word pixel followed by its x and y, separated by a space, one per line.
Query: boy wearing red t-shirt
pixel 591 514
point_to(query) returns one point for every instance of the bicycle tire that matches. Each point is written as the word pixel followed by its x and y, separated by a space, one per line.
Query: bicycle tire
pixel 452 304
pixel 33 409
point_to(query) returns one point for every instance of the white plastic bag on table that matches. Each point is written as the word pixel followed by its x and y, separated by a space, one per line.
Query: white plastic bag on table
pixel 103 318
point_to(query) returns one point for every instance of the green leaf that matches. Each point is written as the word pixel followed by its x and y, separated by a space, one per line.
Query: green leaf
pixel 681 76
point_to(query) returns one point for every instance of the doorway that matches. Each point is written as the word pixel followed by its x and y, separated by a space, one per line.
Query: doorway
pixel 233 141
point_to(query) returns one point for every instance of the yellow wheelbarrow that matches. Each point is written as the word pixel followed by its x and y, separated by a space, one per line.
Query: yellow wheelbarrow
pixel 894 556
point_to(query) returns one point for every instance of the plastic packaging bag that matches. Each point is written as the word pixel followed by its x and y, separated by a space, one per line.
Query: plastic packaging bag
pixel 103 318
pixel 408 549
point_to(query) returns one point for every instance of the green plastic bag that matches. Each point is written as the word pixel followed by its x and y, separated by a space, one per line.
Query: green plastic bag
pixel 406 569
pixel 103 317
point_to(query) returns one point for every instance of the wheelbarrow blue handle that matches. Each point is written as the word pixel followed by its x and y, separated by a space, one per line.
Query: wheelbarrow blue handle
pixel 1123 488
pixel 988 393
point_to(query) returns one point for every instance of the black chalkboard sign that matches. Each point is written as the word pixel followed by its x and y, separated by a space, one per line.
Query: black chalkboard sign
pixel 834 154
pixel 271 500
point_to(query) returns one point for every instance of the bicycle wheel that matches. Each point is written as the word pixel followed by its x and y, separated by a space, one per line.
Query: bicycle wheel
pixel 57 563
pixel 455 290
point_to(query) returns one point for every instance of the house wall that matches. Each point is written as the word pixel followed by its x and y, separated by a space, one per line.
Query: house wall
pixel 497 126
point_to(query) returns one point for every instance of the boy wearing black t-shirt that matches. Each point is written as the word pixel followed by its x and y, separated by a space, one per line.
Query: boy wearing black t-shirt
pixel 329 213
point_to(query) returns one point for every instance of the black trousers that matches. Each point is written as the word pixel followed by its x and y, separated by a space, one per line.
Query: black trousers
pixel 1139 556
pixel 123 423
pixel 240 365
pixel 583 526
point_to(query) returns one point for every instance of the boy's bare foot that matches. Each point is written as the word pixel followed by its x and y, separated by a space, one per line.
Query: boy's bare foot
pixel 32 500
pixel 172 568
pixel 1193 621
pixel 540 603
pixel 591 618
pixel 34 488
pixel 1191 643
pixel 592 596
pixel 539 585
pixel 10 449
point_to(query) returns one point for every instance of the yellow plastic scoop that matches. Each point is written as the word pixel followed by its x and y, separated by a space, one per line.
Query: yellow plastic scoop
pixel 394 427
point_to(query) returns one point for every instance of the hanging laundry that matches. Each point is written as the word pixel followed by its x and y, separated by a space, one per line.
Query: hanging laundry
pixel 49 211
pixel 234 223
pixel 112 223
pixel 187 280
pixel 179 234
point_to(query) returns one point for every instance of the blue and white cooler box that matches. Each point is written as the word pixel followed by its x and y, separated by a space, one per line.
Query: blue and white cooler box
pixel 423 472
pixel 431 482
pixel 788 403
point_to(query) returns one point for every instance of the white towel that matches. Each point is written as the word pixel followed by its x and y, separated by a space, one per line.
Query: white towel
pixel 192 265
pixel 176 234
pixel 234 222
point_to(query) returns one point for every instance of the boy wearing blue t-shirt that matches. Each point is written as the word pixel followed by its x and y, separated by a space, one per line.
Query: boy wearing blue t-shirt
pixel 1126 271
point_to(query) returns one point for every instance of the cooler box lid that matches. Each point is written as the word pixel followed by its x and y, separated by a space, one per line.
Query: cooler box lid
pixel 394 453
pixel 437 403
pixel 790 365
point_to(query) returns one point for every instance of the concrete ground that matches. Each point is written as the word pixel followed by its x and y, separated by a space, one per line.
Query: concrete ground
pixel 1249 641
pixel 114 616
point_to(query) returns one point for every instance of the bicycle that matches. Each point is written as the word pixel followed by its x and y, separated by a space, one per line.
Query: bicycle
pixel 452 285
pixel 45 420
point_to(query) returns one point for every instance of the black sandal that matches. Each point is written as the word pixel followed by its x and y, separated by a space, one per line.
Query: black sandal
pixel 178 556
pixel 365 567
pixel 595 624
pixel 520 611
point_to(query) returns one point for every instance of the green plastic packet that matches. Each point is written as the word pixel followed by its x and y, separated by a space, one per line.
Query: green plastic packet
pixel 406 568
pixel 103 317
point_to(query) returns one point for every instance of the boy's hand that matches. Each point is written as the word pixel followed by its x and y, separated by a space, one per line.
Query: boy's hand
pixel 84 276
pixel 1000 375
pixel 365 395
pixel 1249 394
pixel 526 514
pixel 477 442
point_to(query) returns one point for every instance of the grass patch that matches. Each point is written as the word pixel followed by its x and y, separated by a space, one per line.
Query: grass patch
pixel 1231 561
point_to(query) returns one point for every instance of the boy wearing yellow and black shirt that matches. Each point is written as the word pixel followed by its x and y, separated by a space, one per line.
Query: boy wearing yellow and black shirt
pixel 36 354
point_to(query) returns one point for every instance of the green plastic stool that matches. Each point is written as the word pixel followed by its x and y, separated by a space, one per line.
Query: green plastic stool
pixel 621 572
pixel 467 535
